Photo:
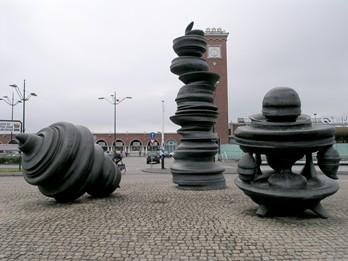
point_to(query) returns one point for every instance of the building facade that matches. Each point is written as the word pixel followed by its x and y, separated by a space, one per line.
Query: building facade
pixel 216 56
pixel 136 143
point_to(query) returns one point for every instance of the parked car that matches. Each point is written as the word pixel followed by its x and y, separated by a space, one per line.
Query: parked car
pixel 153 157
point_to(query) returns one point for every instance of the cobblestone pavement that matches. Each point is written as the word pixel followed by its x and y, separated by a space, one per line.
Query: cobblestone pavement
pixel 149 219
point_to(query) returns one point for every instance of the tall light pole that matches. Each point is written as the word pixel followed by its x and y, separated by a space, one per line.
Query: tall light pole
pixel 23 98
pixel 114 101
pixel 12 103
pixel 162 141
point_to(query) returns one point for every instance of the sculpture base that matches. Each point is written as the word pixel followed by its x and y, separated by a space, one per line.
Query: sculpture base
pixel 275 201
pixel 198 175
pixel 199 182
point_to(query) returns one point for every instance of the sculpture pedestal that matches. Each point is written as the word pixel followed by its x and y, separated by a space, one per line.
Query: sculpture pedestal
pixel 283 135
pixel 278 201
pixel 189 175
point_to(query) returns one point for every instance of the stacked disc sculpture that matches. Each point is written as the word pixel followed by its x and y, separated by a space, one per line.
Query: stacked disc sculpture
pixel 64 162
pixel 282 135
pixel 194 166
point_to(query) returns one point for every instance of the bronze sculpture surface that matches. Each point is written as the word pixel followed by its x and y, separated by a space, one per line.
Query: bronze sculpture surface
pixel 284 136
pixel 194 166
pixel 64 162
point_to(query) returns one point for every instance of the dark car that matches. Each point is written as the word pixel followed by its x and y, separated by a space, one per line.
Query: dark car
pixel 153 157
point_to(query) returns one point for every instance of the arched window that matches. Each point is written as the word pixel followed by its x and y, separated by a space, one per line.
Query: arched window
pixel 153 146
pixel 103 144
pixel 135 145
pixel 170 145
pixel 119 145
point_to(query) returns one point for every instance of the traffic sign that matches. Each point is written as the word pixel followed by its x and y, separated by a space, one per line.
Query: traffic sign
pixel 152 135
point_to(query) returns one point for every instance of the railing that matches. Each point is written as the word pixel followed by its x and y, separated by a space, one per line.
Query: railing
pixel 233 152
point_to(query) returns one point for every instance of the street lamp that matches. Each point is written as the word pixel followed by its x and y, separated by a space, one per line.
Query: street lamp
pixel 23 98
pixel 114 101
pixel 162 138
pixel 12 103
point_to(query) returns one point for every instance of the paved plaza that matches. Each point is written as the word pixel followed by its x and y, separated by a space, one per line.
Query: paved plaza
pixel 149 219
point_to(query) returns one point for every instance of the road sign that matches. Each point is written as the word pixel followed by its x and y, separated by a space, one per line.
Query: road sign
pixel 10 126
pixel 152 135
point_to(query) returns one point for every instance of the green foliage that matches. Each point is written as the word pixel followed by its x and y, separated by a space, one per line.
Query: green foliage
pixel 9 159
pixel 10 170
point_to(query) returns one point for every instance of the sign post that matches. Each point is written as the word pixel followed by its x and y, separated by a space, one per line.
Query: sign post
pixel 152 136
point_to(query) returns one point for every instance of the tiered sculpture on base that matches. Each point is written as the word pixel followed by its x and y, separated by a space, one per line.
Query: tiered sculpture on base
pixel 284 135
pixel 194 166
pixel 63 161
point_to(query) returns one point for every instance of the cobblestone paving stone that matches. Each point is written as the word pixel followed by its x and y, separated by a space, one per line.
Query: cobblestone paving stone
pixel 149 219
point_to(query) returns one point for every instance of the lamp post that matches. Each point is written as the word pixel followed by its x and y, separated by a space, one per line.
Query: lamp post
pixel 10 102
pixel 162 138
pixel 114 101
pixel 23 99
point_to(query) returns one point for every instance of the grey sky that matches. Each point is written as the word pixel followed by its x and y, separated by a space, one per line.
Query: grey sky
pixel 72 52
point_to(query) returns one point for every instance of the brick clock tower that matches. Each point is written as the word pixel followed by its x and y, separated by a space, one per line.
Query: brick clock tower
pixel 216 56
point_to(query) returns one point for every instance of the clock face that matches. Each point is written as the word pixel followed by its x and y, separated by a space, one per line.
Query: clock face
pixel 214 52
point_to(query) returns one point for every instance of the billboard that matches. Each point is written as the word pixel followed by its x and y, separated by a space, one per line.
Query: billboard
pixel 8 126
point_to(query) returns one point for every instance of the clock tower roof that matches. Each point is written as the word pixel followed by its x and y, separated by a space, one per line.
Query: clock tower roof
pixel 215 32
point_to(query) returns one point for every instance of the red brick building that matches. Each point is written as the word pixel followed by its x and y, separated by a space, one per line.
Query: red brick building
pixel 136 143
pixel 6 139
pixel 216 56
pixel 133 143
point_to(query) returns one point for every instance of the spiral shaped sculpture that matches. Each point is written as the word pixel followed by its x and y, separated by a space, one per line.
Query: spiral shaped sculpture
pixel 63 161
pixel 194 166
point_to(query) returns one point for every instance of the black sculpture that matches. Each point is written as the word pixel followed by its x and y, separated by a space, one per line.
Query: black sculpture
pixel 284 135
pixel 63 161
pixel 194 166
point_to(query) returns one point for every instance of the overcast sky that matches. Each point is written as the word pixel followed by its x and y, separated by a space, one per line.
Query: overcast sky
pixel 72 52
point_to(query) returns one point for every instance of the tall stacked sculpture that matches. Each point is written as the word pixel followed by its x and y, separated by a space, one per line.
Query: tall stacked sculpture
pixel 194 166
pixel 63 161
pixel 284 135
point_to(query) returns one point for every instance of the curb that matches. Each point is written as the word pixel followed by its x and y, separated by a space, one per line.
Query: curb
pixel 156 171
pixel 11 174
pixel 167 171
